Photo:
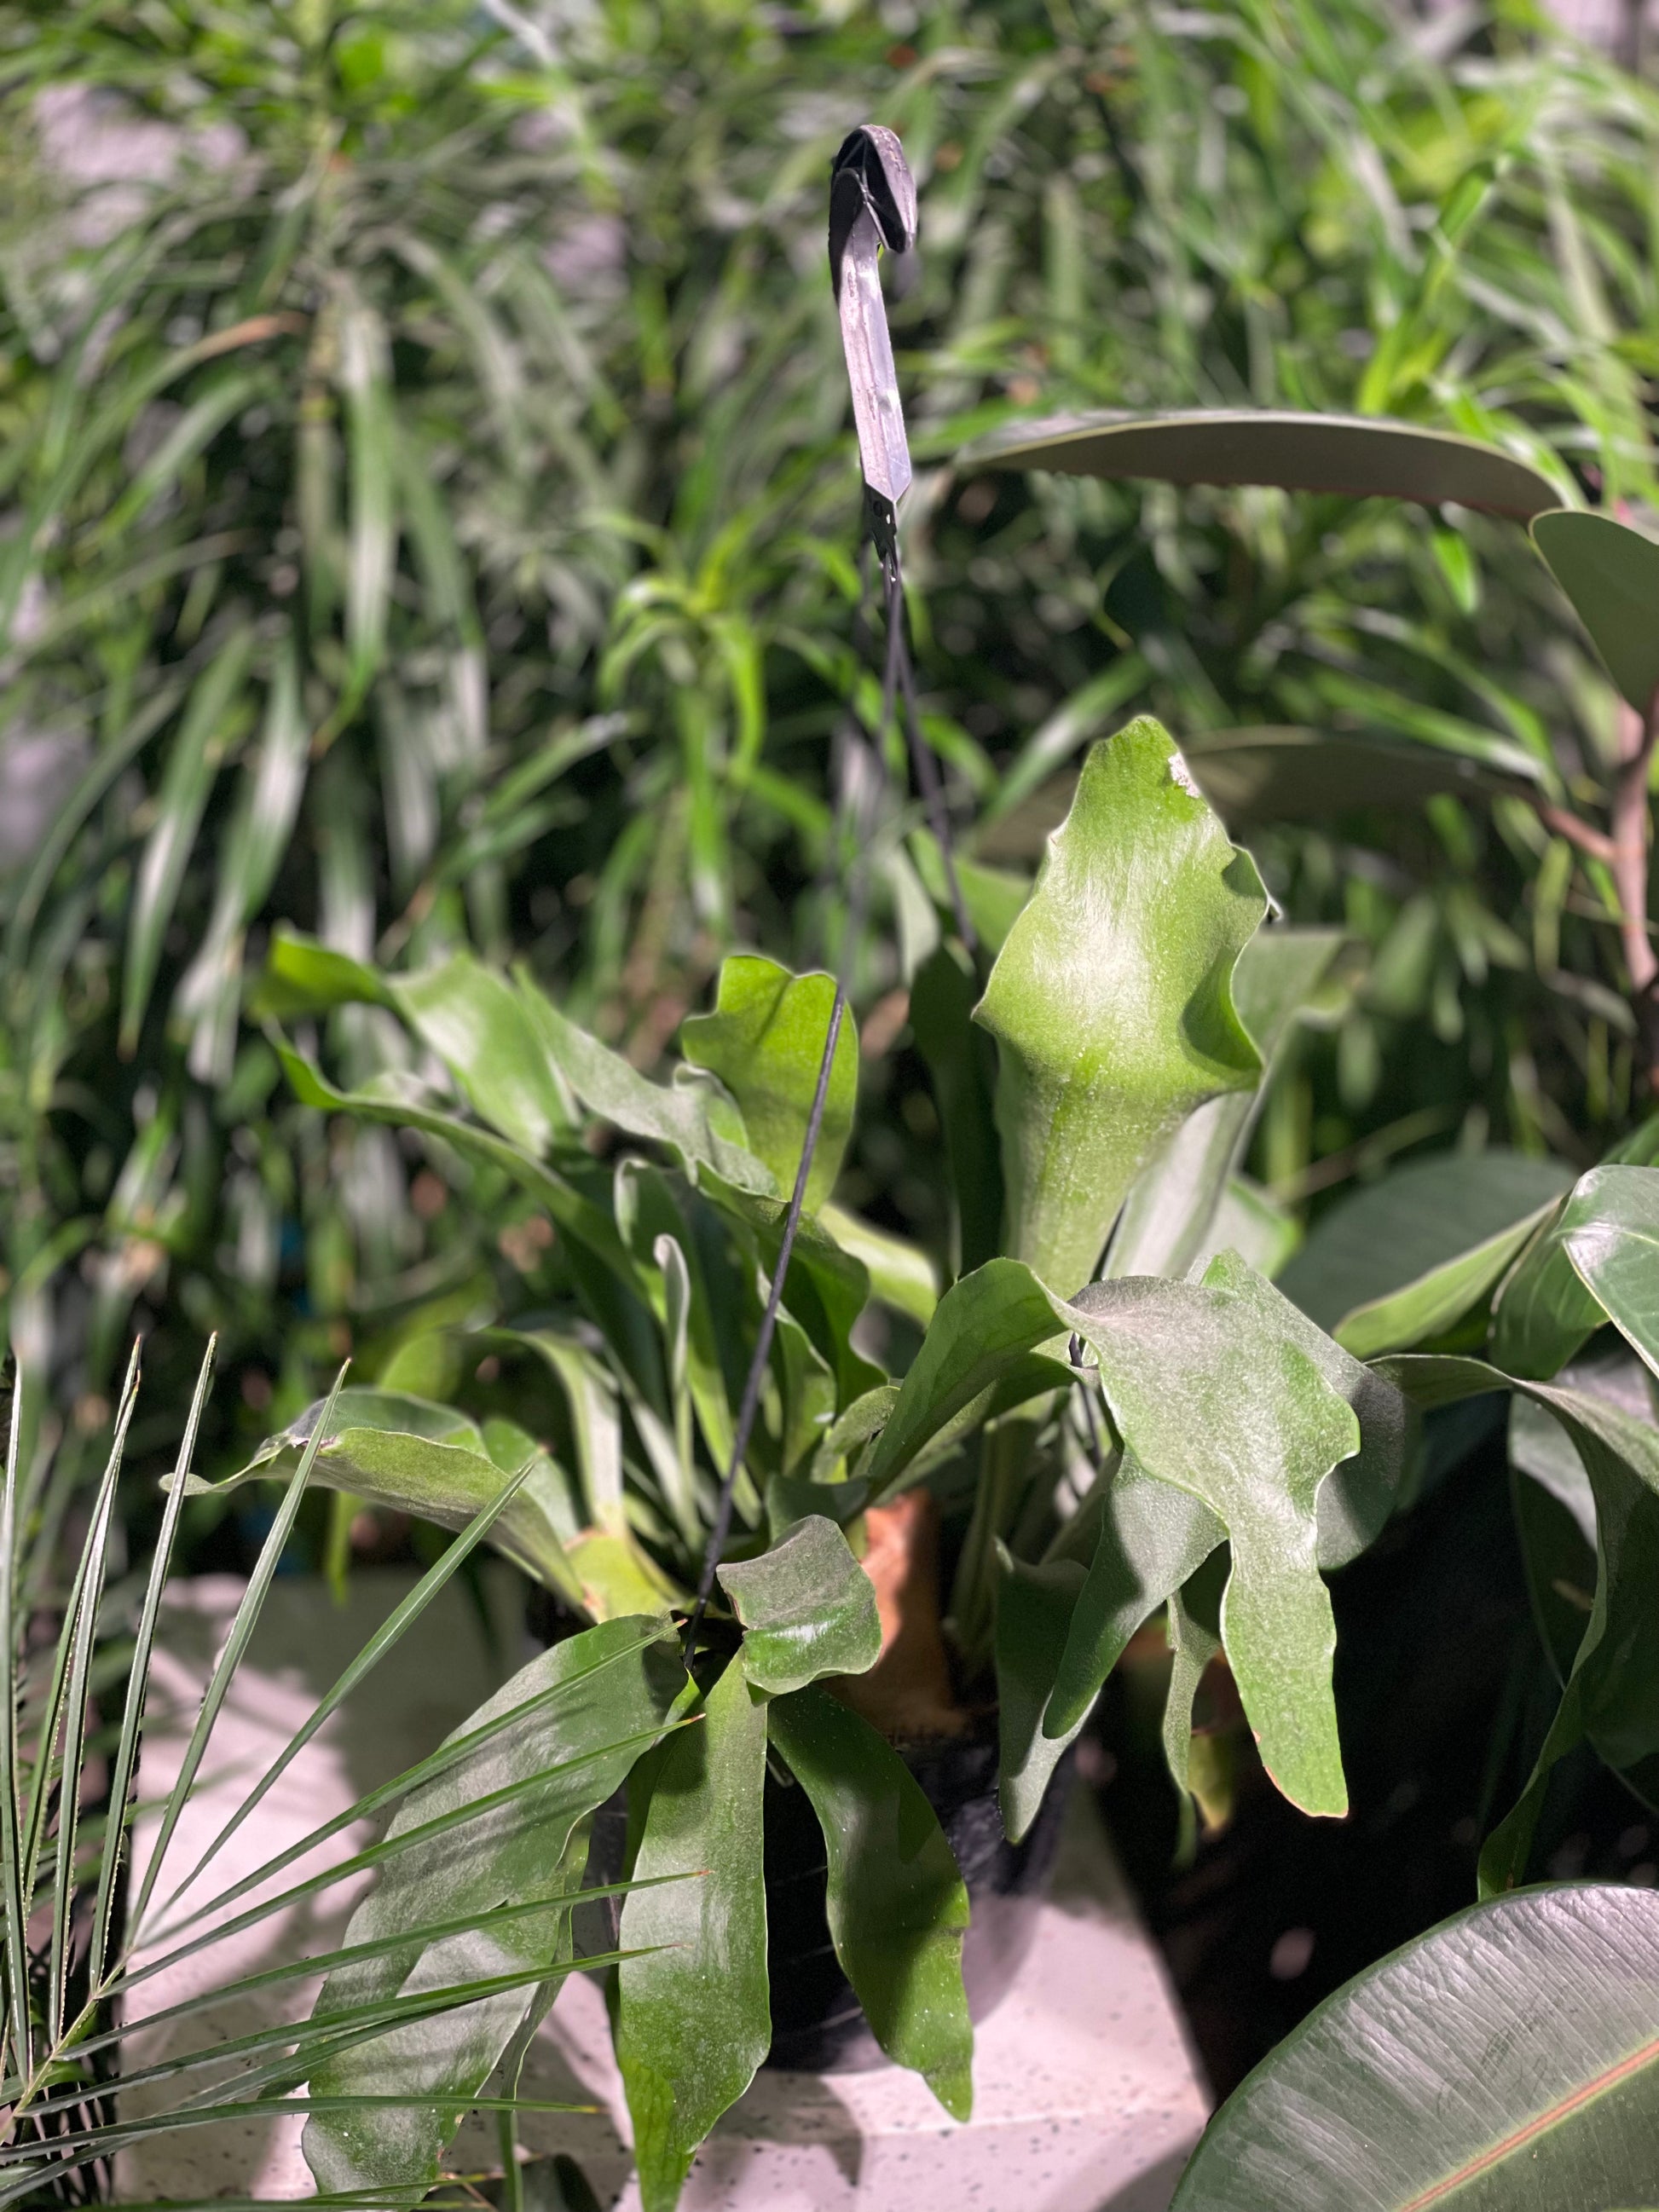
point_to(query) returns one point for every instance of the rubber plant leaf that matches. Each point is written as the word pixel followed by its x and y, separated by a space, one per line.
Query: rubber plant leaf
pixel 1358 456
pixel 807 1608
pixel 403 1453
pixel 593 1703
pixel 1615 1251
pixel 895 1903
pixel 475 1022
pixel 1411 1255
pixel 1173 1201
pixel 1611 1700
pixel 692 2018
pixel 1531 2016
pixel 1284 772
pixel 1611 574
pixel 1601 1236
pixel 1111 1001
pixel 765 1043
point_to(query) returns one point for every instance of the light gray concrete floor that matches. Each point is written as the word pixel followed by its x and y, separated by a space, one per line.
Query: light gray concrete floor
pixel 1086 2095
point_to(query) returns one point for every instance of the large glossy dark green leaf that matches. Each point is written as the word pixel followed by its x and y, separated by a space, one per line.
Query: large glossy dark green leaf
pixel 1615 1251
pixel 1611 574
pixel 1172 1203
pixel 962 1067
pixel 692 2018
pixel 1111 1001
pixel 807 1608
pixel 593 1703
pixel 1359 456
pixel 897 1906
pixel 1611 1700
pixel 1506 2062
pixel 765 1041
pixel 1601 1235
pixel 1290 773
pixel 1407 1258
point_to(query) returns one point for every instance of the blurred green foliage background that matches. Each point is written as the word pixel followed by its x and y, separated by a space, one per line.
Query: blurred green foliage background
pixel 427 515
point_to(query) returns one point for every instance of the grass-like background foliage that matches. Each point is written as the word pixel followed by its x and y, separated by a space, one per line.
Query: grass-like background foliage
pixel 430 505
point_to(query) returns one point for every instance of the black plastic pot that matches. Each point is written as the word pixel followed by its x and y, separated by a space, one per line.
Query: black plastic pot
pixel 817 2024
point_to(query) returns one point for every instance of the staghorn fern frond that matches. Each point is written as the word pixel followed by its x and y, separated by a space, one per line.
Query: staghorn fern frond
pixel 81 1953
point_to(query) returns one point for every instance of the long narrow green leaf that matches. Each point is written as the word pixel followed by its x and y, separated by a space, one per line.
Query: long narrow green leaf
pixel 192 763
pixel 407 1612
pixel 11 1861
pixel 84 1611
pixel 138 1680
pixel 241 1630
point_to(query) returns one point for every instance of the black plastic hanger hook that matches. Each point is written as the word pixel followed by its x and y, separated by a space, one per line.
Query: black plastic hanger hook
pixel 872 203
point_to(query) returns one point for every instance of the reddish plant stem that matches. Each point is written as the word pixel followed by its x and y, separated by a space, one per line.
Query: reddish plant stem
pixel 1632 832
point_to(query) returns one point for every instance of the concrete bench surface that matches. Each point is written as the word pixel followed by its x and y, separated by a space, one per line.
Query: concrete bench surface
pixel 1086 2095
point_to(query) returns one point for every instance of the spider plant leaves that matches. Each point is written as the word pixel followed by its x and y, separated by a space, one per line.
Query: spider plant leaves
pixel 693 2020
pixel 765 1041
pixel 807 1607
pixel 253 847
pixel 589 1705
pixel 1111 1000
pixel 403 1452
pixel 1610 572
pixel 205 729
pixel 1409 1257
pixel 1172 1204
pixel 897 1906
pixel 371 527
pixel 1356 456
pixel 1560 2107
